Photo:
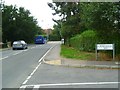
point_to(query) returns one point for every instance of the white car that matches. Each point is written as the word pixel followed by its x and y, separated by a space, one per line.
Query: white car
pixel 19 45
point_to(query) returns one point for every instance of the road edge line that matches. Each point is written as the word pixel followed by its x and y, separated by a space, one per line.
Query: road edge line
pixel 39 63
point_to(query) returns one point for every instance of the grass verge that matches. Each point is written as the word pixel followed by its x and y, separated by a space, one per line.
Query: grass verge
pixel 69 52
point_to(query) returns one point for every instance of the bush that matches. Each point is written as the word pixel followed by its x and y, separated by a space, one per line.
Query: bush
pixel 54 37
pixel 85 41
pixel 75 41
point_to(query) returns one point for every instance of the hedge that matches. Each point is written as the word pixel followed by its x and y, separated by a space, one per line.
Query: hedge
pixel 85 41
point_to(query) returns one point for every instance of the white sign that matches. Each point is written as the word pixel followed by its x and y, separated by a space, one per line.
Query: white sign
pixel 62 41
pixel 105 46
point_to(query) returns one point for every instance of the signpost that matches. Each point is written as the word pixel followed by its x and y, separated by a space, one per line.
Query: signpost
pixel 105 47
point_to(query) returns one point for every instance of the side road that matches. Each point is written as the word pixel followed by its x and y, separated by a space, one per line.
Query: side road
pixel 53 58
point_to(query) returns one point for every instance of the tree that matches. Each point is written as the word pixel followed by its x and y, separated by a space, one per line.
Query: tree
pixel 18 24
pixel 105 22
pixel 56 34
pixel 71 17
pixel 0 26
pixel 103 17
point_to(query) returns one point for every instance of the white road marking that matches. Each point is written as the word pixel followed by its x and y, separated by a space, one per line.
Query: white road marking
pixel 31 74
pixel 28 77
pixel 107 66
pixel 4 58
pixel 36 67
pixel 39 45
pixel 54 42
pixel 32 47
pixel 17 53
pixel 90 83
pixel 118 63
pixel 25 50
pixel 23 87
pixel 20 52
pixel 45 54
pixel 69 84
pixel 25 82
pixel 11 55
pixel 36 87
pixel 35 47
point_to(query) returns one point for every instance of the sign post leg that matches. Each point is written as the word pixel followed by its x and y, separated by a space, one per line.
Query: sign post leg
pixel 96 52
pixel 113 51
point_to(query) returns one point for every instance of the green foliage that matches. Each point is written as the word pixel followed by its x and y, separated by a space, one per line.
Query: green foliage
pixel 73 53
pixel 105 22
pixel 0 34
pixel 1 29
pixel 18 24
pixel 56 34
pixel 103 17
pixel 85 41
pixel 54 37
pixel 70 21
pixel 0 26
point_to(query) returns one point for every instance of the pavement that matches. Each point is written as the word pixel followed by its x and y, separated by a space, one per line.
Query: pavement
pixel 54 58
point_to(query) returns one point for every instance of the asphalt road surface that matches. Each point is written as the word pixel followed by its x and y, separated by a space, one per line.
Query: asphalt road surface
pixel 18 64
pixel 21 68
pixel 49 76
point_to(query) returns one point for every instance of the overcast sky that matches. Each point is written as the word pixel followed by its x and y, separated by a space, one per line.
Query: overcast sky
pixel 38 8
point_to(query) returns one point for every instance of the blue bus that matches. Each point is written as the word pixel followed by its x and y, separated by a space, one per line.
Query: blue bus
pixel 40 40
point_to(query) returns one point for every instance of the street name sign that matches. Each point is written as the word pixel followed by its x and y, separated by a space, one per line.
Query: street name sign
pixel 105 47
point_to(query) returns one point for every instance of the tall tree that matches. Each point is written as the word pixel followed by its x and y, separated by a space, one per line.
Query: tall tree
pixel 18 24
pixel 100 16
pixel 0 26
pixel 71 17
pixel 106 20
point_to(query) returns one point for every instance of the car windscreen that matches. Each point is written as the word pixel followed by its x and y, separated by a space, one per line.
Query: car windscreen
pixel 17 42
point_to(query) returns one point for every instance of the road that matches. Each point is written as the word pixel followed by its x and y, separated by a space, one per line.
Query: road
pixel 48 76
pixel 21 68
pixel 18 64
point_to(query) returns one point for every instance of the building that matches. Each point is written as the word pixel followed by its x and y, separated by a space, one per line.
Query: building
pixel 47 31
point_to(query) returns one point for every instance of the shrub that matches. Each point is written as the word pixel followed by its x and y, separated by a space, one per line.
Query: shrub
pixel 54 37
pixel 85 41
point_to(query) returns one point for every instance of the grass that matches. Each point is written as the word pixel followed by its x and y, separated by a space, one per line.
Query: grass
pixel 69 52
